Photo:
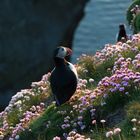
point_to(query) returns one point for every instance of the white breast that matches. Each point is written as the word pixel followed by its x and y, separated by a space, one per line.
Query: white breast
pixel 72 67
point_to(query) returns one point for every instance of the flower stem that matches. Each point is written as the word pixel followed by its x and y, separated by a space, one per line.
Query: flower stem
pixel 103 128
pixel 111 138
pixel 120 137
pixel 96 127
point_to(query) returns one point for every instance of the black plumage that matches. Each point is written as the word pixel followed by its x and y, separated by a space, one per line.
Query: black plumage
pixel 63 78
pixel 122 36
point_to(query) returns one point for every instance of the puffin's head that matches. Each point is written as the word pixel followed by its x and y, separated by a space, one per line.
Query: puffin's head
pixel 62 52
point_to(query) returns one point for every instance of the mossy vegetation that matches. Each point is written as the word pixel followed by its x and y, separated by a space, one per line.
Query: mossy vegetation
pixel 133 16
pixel 137 23
pixel 129 14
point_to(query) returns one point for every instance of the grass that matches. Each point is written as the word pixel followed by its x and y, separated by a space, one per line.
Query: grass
pixel 114 102
pixel 91 69
pixel 132 110
pixel 39 128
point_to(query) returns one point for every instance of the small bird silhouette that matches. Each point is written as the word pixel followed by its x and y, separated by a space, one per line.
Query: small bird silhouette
pixel 63 79
pixel 122 36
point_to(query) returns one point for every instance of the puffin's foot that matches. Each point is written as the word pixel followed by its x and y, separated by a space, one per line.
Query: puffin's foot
pixel 56 101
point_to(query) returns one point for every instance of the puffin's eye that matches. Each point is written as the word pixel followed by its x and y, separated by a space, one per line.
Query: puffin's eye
pixel 62 49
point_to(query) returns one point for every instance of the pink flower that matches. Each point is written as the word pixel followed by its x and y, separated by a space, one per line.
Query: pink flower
pixel 102 121
pixel 91 80
pixel 109 134
pixel 94 122
pixel 134 129
pixel 56 138
pixel 117 131
pixel 134 120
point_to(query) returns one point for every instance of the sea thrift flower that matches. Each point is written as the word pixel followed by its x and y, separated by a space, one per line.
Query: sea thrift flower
pixel 56 138
pixel 82 127
pixel 65 135
pixel 1 137
pixel 134 120
pixel 102 121
pixel 63 126
pixel 134 129
pixel 17 137
pixel 72 133
pixel 103 124
pixel 80 118
pixel 84 81
pixel 75 136
pixel 117 131
pixel 109 134
pixel 94 122
pixel 121 89
pixel 85 71
pixel 91 80
pixel 11 138
pixel 126 93
pixel 96 127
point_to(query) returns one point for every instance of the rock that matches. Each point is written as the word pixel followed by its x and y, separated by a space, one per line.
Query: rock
pixel 29 32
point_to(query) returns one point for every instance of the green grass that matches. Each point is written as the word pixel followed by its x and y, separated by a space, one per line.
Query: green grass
pixel 129 54
pixel 95 70
pixel 38 127
pixel 113 103
pixel 132 110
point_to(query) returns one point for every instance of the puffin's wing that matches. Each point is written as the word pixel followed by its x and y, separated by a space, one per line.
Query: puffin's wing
pixel 62 80
pixel 63 84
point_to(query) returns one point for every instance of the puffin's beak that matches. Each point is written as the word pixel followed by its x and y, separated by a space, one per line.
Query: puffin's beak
pixel 69 51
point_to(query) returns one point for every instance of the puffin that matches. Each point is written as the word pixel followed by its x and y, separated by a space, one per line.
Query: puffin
pixel 64 78
pixel 122 36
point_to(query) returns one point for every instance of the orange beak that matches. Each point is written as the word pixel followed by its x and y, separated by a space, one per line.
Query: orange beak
pixel 69 51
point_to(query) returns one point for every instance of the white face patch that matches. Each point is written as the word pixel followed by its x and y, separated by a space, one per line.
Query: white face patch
pixel 62 52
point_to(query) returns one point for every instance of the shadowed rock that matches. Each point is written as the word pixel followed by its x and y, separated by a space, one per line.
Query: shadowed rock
pixel 30 30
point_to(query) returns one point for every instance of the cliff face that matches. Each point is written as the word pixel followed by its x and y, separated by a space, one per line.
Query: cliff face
pixel 29 32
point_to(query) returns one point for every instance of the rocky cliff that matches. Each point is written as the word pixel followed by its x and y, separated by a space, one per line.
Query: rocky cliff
pixel 29 32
